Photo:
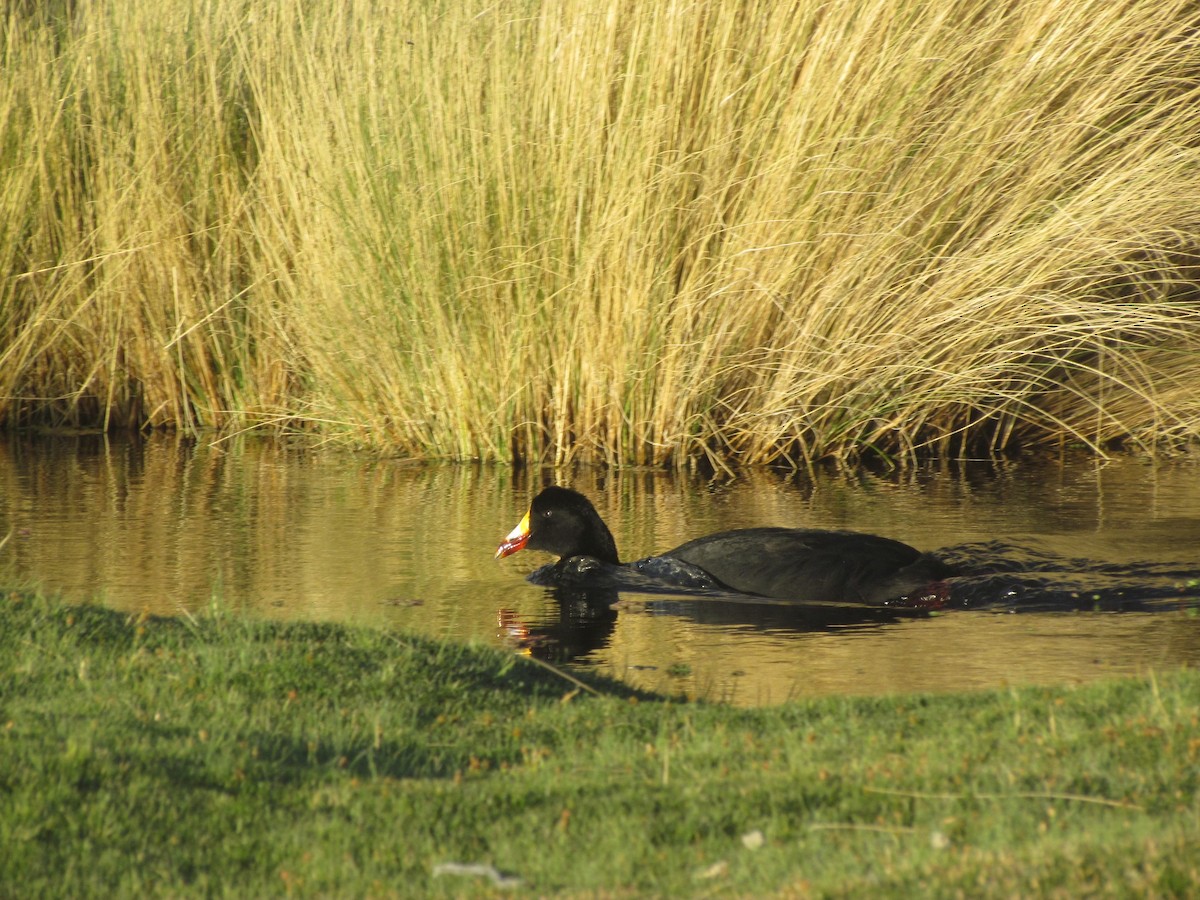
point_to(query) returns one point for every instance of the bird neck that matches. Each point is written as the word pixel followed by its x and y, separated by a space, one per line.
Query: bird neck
pixel 600 543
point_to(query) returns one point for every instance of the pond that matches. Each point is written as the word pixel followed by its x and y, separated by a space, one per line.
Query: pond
pixel 1104 558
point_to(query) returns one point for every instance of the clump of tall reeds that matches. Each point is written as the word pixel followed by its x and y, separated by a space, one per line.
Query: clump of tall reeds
pixel 633 232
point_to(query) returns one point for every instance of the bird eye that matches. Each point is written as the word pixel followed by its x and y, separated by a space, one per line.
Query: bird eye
pixel 547 514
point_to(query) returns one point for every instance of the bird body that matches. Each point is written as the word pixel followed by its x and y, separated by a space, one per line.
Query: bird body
pixel 798 564
pixel 806 564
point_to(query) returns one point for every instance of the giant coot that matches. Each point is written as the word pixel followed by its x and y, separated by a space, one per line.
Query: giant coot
pixel 801 564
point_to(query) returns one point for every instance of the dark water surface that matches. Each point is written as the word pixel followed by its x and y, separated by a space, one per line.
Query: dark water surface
pixel 1053 551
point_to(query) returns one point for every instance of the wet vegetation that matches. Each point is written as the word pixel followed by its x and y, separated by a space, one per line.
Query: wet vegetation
pixel 724 231
pixel 218 756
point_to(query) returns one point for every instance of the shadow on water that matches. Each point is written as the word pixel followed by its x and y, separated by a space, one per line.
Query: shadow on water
pixel 166 526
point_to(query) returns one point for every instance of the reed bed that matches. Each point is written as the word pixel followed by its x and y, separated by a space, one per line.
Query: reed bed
pixel 734 232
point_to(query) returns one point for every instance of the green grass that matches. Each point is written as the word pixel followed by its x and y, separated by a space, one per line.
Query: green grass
pixel 154 757
pixel 726 230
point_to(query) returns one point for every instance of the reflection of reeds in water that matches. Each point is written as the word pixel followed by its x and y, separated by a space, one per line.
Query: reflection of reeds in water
pixel 166 525
pixel 634 232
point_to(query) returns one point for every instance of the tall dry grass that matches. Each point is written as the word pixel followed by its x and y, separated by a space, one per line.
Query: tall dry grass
pixel 597 229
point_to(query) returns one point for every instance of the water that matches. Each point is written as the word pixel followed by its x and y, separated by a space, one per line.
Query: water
pixel 164 526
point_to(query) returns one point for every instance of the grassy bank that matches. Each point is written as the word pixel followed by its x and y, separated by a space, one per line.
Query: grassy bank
pixel 168 757
pixel 734 229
